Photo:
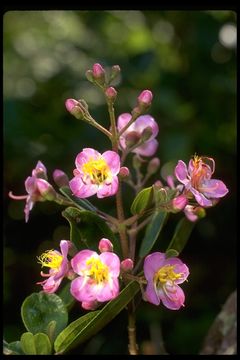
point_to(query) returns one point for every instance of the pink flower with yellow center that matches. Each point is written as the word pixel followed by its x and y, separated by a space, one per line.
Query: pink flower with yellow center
pixel 37 187
pixel 163 276
pixel 197 180
pixel 95 173
pixel 58 264
pixel 98 276
pixel 149 147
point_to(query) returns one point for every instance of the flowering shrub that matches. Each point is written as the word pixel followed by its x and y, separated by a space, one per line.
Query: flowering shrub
pixel 108 282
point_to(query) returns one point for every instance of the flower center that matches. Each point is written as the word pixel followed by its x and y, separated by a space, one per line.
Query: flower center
pixel 50 259
pixel 166 273
pixel 97 170
pixel 98 271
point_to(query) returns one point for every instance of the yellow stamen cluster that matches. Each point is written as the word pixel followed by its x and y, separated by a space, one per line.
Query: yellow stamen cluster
pixel 97 170
pixel 98 271
pixel 50 259
pixel 166 273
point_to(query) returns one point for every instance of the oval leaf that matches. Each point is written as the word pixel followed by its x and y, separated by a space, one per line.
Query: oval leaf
pixel 181 235
pixel 88 325
pixel 13 348
pixel 28 344
pixel 152 232
pixel 142 201
pixel 39 309
pixel 38 344
pixel 87 228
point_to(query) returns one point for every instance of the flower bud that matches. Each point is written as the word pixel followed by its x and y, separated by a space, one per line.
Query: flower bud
pixel 146 134
pixel 127 265
pixel 46 190
pixel 145 99
pixel 40 171
pixel 89 75
pixel 74 108
pixel 123 172
pixel 179 202
pixel 153 166
pixel 98 74
pixel 90 305
pixel 60 178
pixel 158 185
pixel 132 138
pixel 115 71
pixel 105 245
pixel 111 94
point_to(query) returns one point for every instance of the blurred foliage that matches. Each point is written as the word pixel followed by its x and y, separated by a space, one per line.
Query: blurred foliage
pixel 188 60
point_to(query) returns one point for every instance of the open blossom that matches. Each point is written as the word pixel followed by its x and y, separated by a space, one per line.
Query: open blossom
pixel 37 187
pixel 197 180
pixel 95 173
pixel 98 276
pixel 163 276
pixel 58 264
pixel 149 147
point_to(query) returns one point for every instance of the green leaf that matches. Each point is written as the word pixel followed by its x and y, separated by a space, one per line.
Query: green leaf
pixel 142 201
pixel 39 309
pixel 88 325
pixel 181 235
pixel 66 296
pixel 152 232
pixel 87 228
pixel 80 203
pixel 38 344
pixel 13 348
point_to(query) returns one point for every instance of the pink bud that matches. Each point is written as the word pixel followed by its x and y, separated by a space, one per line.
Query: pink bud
pixel 70 104
pixel 179 202
pixel 105 245
pixel 98 71
pixel 123 172
pixel 111 93
pixel 158 185
pixel 90 305
pixel 46 189
pixel 145 98
pixel 153 166
pixel 73 106
pixel 127 265
pixel 60 178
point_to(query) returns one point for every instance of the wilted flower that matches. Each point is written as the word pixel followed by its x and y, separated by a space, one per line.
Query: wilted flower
pixel 149 147
pixel 95 174
pixel 58 264
pixel 197 180
pixel 98 276
pixel 163 276
pixel 37 187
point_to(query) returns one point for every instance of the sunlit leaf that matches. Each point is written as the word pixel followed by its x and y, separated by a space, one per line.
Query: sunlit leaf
pixel 88 325
pixel 142 201
pixel 38 344
pixel 152 232
pixel 39 309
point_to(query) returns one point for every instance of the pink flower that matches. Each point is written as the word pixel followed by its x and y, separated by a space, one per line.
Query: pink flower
pixel 37 187
pixel 197 180
pixel 140 124
pixel 95 173
pixel 98 276
pixel 163 276
pixel 58 264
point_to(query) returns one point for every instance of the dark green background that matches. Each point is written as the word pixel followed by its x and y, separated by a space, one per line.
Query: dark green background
pixel 181 57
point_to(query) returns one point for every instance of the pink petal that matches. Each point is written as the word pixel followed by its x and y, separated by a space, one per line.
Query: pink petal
pixel 173 298
pixel 51 285
pixel 148 148
pixel 105 190
pixel 179 267
pixel 213 188
pixel 82 190
pixel 64 246
pixel 108 291
pixel 112 261
pixel 152 264
pixel 85 155
pixel 151 295
pixel 144 121
pixel 82 289
pixel 113 161
pixel 30 184
pixel 123 120
pixel 201 199
pixel 78 262
pixel 181 172
pixel 28 207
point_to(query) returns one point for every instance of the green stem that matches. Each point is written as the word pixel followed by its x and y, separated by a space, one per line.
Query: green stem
pixel 132 347
pixel 94 123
